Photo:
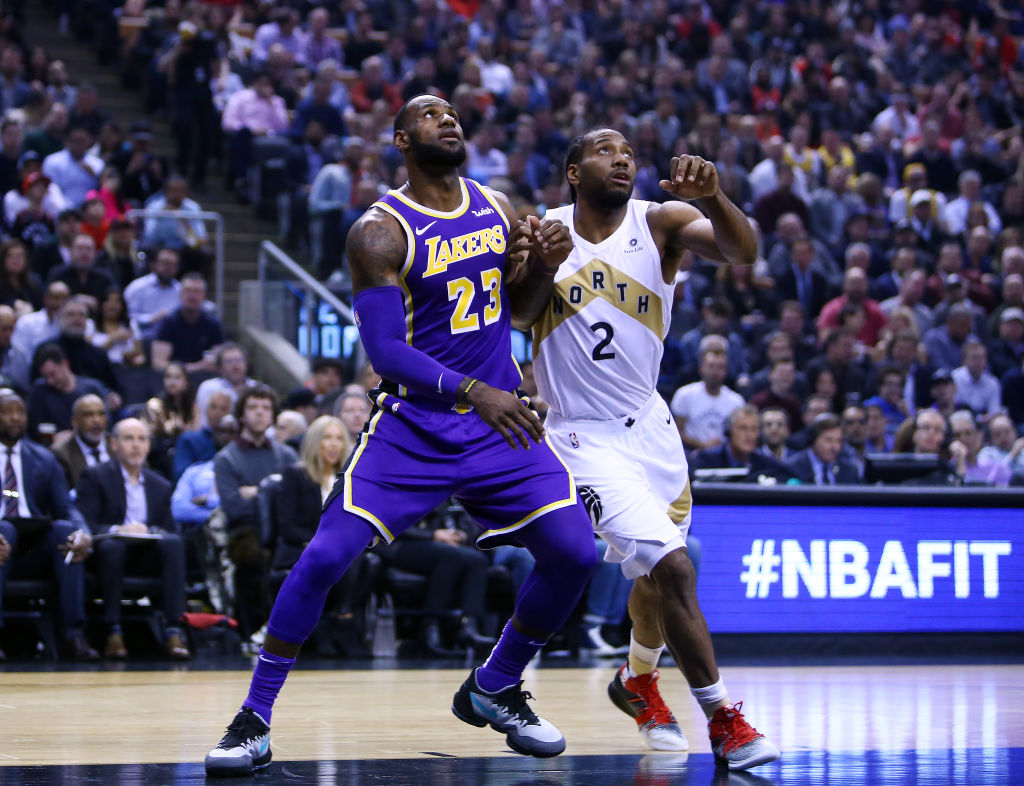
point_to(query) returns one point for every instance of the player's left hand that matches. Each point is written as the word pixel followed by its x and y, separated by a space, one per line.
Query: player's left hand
pixel 520 242
pixel 691 177
pixel 552 242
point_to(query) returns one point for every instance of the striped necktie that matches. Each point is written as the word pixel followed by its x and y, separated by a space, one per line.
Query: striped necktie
pixel 10 488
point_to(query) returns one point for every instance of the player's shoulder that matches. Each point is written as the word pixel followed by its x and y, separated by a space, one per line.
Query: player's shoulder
pixel 377 230
pixel 671 215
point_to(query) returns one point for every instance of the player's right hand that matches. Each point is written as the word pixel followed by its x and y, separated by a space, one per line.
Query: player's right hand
pixel 507 414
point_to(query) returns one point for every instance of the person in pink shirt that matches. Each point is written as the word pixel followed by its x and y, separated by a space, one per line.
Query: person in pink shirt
pixel 253 112
pixel 109 193
pixel 855 290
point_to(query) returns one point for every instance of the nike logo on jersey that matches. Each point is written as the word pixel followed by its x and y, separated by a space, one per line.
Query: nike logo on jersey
pixel 421 230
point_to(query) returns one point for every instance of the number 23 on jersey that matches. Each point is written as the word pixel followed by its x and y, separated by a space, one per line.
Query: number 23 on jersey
pixel 462 291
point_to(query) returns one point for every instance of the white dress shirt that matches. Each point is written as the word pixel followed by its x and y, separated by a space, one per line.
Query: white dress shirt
pixel 135 499
pixel 90 459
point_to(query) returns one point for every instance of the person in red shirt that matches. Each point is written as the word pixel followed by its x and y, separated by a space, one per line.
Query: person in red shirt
pixel 855 290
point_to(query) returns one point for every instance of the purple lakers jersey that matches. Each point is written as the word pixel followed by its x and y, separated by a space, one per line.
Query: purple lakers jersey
pixel 456 309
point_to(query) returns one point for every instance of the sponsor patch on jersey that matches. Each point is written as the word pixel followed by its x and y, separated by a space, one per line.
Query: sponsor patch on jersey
pixel 633 247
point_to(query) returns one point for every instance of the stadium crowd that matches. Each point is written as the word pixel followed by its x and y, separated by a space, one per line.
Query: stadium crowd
pixel 877 148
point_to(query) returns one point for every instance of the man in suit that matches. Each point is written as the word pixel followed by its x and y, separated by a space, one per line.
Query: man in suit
pixel 822 463
pixel 124 498
pixel 801 282
pixel 34 486
pixel 740 449
pixel 86 445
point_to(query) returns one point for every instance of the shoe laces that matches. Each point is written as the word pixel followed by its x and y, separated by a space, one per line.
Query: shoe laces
pixel 513 701
pixel 656 712
pixel 244 726
pixel 729 724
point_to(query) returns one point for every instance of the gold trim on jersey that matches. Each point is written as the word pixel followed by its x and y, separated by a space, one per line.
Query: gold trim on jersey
pixel 410 255
pixel 481 541
pixel 485 192
pixel 461 209
pixel 679 511
pixel 598 279
pixel 351 506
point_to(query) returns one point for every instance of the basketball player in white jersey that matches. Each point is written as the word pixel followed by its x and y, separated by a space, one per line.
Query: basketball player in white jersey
pixel 597 350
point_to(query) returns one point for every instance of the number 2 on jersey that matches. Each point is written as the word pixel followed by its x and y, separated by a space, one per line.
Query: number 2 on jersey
pixel 462 290
pixel 609 334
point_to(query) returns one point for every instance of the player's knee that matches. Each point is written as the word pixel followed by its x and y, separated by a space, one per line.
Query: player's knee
pixel 321 566
pixel 579 562
pixel 674 575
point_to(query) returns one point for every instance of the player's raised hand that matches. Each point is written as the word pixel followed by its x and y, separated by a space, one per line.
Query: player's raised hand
pixel 507 414
pixel 552 242
pixel 520 242
pixel 691 177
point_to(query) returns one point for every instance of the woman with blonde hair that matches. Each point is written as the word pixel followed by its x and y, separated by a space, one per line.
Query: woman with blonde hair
pixel 304 487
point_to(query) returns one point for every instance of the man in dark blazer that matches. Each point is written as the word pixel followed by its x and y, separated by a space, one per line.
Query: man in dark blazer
pixel 740 449
pixel 802 282
pixel 124 498
pixel 87 444
pixel 34 487
pixel 822 463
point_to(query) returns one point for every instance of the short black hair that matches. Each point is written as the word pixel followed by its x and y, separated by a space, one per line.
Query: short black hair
pixel 50 351
pixel 573 156
pixel 402 117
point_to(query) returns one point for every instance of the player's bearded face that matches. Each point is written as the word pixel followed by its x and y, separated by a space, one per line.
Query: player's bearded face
pixel 604 192
pixel 441 154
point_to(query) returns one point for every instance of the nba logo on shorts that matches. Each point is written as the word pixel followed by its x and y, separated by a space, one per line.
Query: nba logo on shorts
pixel 573 441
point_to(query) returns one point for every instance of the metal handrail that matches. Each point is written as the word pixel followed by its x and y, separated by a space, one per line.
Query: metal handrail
pixel 218 240
pixel 271 252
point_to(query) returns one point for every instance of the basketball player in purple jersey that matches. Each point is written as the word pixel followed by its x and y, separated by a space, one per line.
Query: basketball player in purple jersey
pixel 433 302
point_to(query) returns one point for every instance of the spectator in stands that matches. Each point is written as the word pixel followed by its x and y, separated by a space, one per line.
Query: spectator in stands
pixel 764 178
pixel 740 449
pixel 814 405
pixel 20 288
pixel 976 388
pixel 155 295
pixel 85 112
pixel 876 440
pixel 926 435
pixel 838 358
pixel 890 399
pixel 318 108
pixel 332 192
pixel 1012 290
pixel 14 366
pixel 779 393
pixel 143 171
pixel 326 376
pixel 49 139
pixel 232 378
pixel 73 168
pixel 800 281
pixel 32 330
pixel 780 200
pixel 701 408
pixel 319 45
pixel 186 236
pixel 195 494
pixel 774 433
pixel 109 193
pixel 199 445
pixel 239 468
pixel 301 401
pixel 945 343
pixel 253 112
pixel 57 252
pixel 81 275
pixel 34 486
pixel 943 392
pixel 85 359
pixel 823 464
pixel 188 335
pixel 372 86
pixel 117 334
pixel 289 428
pixel 120 256
pixel 87 444
pixel 125 498
pixel 14 91
pixel 832 207
pixel 353 409
pixel 969 186
pixel 1007 447
pixel 854 421
pixel 53 395
pixel 976 471
pixel 284 30
pixel 911 292
pixel 717 321
pixel 12 137
pixel 855 290
pixel 1006 351
pixel 58 88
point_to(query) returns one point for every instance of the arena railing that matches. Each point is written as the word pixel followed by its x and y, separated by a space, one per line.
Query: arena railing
pixel 218 241
pixel 315 297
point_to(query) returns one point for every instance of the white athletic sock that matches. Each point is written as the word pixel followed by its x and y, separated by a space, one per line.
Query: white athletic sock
pixel 712 697
pixel 642 660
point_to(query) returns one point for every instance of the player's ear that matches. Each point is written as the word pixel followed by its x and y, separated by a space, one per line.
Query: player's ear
pixel 572 174
pixel 401 139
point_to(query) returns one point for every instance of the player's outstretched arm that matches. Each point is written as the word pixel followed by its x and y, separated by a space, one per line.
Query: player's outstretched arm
pixel 722 233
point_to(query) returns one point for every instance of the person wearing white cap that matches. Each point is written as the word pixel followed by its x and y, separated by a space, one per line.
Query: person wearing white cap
pixel 924 218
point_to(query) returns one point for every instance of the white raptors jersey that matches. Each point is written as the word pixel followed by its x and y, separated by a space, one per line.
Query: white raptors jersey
pixel 597 347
